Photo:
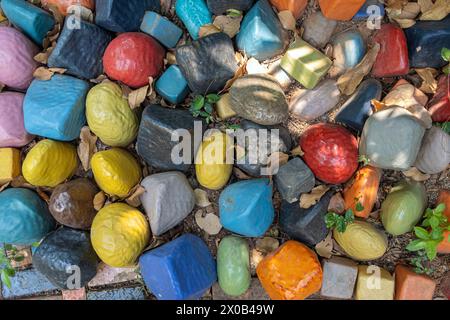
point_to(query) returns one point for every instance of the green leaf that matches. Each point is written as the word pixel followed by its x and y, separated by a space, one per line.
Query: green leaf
pixel 349 216
pixel 421 233
pixel 446 69
pixel 431 250
pixel 35 244
pixel 445 53
pixel 437 234
pixel 434 222
pixel 10 272
pixel 416 245
pixel 198 103
pixel 8 247
pixel 341 226
pixel 213 98
pixel 208 108
pixel 233 13
pixel 5 279
pixel 330 220
pixel 19 258
pixel 359 207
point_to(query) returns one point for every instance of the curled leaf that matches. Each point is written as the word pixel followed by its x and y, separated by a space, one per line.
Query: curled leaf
pixel 208 29
pixel 297 152
pixel 228 24
pixel 87 147
pixel 429 84
pixel 134 199
pixel 137 97
pixel 325 247
pixel 307 200
pixel 416 175
pixel 99 200
pixel 439 10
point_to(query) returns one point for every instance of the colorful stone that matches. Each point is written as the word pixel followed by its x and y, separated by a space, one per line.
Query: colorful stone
pixel 412 286
pixel 161 28
pixel 434 155
pixel 194 14
pixel 439 106
pixel 10 164
pixel 370 9
pixel 339 278
pixel 223 107
pixel 342 10
pixel 219 7
pixel 172 85
pixel 65 6
pixel 293 179
pixel 297 7
pixel 318 29
pixel 348 50
pixel 367 288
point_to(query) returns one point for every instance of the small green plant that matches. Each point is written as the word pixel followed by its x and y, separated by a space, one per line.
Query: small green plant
pixel 202 106
pixel 445 126
pixel 421 264
pixel 445 53
pixel 234 13
pixel 232 126
pixel 6 269
pixel 340 222
pixel 363 159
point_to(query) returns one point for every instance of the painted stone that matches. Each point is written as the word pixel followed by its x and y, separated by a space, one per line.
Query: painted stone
pixel 65 6
pixel 246 207
pixel 161 28
pixel 194 14
pixel 12 129
pixel 223 107
pixel 292 272
pixel 318 29
pixel 182 269
pixel 219 7
pixel 305 64
pixel 444 245
pixel 109 115
pixel 60 251
pixel 233 265
pixel 444 197
pixel 365 290
pixel 24 217
pixel 339 278
pixel 172 85
pixel 348 50
pixel 297 7
pixel 30 19
pixel 445 285
pixel 259 98
pixel 305 225
pixel 120 294
pixel 10 165
pixel 392 59
pixel 17 62
pixel 403 207
pixel 119 234
pixel 49 163
pixel 132 58
pixel 262 35
pixel 29 283
pixel 358 108
pixel 208 63
pixel 342 10
pixel 370 9
pixel 308 105
pixel 434 155
pixel 116 171
pixel 412 286
pixel 293 179
pixel 439 106
pixel 276 71
pixel 80 50
pixel 123 16
pixel 391 139
pixel 331 152
pixel 168 200
pixel 72 203
pixel 55 108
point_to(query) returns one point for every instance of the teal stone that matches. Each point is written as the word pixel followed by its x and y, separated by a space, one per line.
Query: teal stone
pixel 233 265
pixel 24 217
pixel 194 14
pixel 32 20
pixel 348 50
pixel 161 28
pixel 172 85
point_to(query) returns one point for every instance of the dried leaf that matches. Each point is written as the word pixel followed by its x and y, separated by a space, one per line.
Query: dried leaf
pixel 425 5
pixel 297 152
pixel 171 58
pixel 42 57
pixel 275 161
pixel 410 11
pixel 429 84
pixel 2 17
pixel 151 82
pixel 242 62
pixel 254 67
pixel 337 203
pixel 42 73
pixel 378 105
pixel 99 200
pixel 100 79
pixel 209 223
pixel 267 245
pixel 207 29
pixel 405 23
pixel 83 12
pixel 255 258
pixel 240 174
pixel 439 10
pixel 307 200
pixel 228 25
pixel 43 195
pixel 3 187
pixel 20 182
pixel 395 4
pixel 416 175
pixel 287 20
pixel 134 199
pixel 422 115
pixel 201 198
pixel 325 247
pixel 137 97
pixel 87 147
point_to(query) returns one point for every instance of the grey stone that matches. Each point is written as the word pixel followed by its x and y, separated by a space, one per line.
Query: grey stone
pixel 221 6
pixel 254 292
pixel 280 75
pixel 434 154
pixel 318 29
pixel 137 293
pixel 339 278
pixel 293 179
pixel 28 283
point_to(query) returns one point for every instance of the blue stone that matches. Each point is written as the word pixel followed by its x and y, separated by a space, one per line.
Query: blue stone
pixel 32 20
pixel 358 108
pixel 246 207
pixel 261 35
pixel 172 85
pixel 28 283
pixel 348 50
pixel 425 42
pixel 123 294
pixel 55 109
pixel 365 12
pixel 24 217
pixel 182 269
pixel 194 14
pixel 162 29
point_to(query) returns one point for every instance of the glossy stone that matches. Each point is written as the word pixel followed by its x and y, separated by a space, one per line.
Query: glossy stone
pixel 219 7
pixel 172 85
pixel 339 278
pixel 161 28
pixel 342 10
pixel 434 154
pixel 348 50
pixel 318 29
pixel 261 35
pixel 439 106
pixel 10 165
pixel 194 14
pixel 365 290
pixel 293 179
pixel 369 9
pixel 295 6
pixel 59 252
pixel 246 207
pixel 208 63
pixel 55 108
pixel 182 269
pixel 412 286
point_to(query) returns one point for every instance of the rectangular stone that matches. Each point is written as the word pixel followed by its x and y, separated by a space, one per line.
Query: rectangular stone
pixel 28 283
pixel 136 293
pixel 79 294
pixel 318 29
pixel 374 283
pixel 161 28
pixel 10 164
pixel 339 278
pixel 412 286
pixel 194 14
pixel 172 85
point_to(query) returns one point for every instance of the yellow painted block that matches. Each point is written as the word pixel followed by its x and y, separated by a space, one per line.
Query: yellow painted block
pixel 374 283
pixel 223 108
pixel 9 164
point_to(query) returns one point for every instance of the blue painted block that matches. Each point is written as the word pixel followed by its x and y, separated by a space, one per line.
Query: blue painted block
pixel 28 283
pixel 182 269
pixel 367 10
pixel 55 109
pixel 261 35
pixel 123 294
pixel 172 85
pixel 161 28
pixel 194 14
pixel 246 207
pixel 348 49
pixel 32 20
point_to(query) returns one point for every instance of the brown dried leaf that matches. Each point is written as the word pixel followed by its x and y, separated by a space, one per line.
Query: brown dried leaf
pixel 287 20
pixel 325 247
pixel 307 200
pixel 429 84
pixel 209 223
pixel 2 17
pixel 378 105
pixel 207 29
pixel 439 10
pixel 395 4
pixel 242 62
pixel 101 78
pixel 85 13
pixel 3 187
pixel 425 5
pixel 43 195
pixel 137 97
pixel 228 25
pixel 134 199
pixel 240 174
pixel 99 200
pixel 42 57
pixel 337 203
pixel 297 152
pixel 267 245
pixel 171 58
pixel 151 82
pixel 416 175
pixel 201 198
pixel 422 115
pixel 20 182
pixel 87 147
pixel 405 23
pixel 42 73
pixel 410 11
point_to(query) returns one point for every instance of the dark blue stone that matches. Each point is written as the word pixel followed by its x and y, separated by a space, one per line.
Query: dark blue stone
pixel 365 12
pixel 28 283
pixel 219 7
pixel 122 294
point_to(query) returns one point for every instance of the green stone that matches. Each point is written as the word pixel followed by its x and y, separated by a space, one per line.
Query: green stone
pixel 233 265
pixel 305 63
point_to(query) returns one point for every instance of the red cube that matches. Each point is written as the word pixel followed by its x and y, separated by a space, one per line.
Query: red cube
pixel 412 286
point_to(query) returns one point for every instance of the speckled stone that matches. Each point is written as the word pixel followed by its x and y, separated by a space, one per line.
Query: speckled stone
pixel 293 179
pixel 121 294
pixel 28 283
pixel 339 278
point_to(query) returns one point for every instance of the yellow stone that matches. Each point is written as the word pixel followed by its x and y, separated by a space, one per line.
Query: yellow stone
pixel 119 234
pixel 211 167
pixel 223 108
pixel 116 171
pixel 9 164
pixel 374 283
pixel 50 163
pixel 109 115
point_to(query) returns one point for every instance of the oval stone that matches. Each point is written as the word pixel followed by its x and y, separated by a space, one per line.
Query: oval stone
pixel 348 50
pixel 434 155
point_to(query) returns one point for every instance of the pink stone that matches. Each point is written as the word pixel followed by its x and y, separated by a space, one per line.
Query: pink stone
pixel 107 275
pixel 79 294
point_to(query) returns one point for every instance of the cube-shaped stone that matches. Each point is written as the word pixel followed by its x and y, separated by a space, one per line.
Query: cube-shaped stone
pixel 295 6
pixel 318 29
pixel 55 108
pixel 172 85
pixel 161 28
pixel 10 164
pixel 374 283
pixel 412 286
pixel 80 48
pixel 305 64
pixel 246 207
pixel 262 35
pixel 294 178
pixel 207 63
pixel 28 283
pixel 182 269
pixel 339 278
pixel 370 8
pixel 348 50
pixel 342 10
pixel 219 7
pixel 120 294
pixel 194 14
pixel 223 107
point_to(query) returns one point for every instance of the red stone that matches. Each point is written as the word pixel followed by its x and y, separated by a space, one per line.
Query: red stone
pixel 412 286
pixel 132 58
pixel 331 152
pixel 439 106
pixel 392 60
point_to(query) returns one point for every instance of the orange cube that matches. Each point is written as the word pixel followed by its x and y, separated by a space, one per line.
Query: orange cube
pixel 292 272
pixel 412 286
pixel 295 6
pixel 342 10
pixel 9 164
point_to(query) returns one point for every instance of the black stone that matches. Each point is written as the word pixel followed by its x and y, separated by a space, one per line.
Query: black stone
pixel 207 63
pixel 293 179
pixel 59 255
pixel 123 15
pixel 81 50
pixel 221 6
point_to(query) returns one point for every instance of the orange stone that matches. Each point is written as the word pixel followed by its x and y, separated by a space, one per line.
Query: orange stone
pixel 444 246
pixel 444 197
pixel 292 272
pixel 63 5
pixel 295 6
pixel 342 10
pixel 412 286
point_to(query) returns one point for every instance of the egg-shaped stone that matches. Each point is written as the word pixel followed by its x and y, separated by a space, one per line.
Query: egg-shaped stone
pixel 434 154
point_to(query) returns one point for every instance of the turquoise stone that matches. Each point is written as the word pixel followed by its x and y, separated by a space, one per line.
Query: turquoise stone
pixel 348 50
pixel 194 14
pixel 368 11
pixel 161 28
pixel 172 85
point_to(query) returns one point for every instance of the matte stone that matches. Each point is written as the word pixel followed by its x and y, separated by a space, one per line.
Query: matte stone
pixel 366 287
pixel 339 278
pixel 305 225
pixel 207 63
pixel 261 35
pixel 194 14
pixel 348 50
pixel 123 16
pixel 121 294
pixel 342 10
pixel 172 85
pixel 161 28
pixel 439 106
pixel 168 200
pixel 293 179
pixel 358 108
pixel 368 11
pixel 182 269
pixel 223 107
pixel 318 29
pixel 64 253
pixel 10 164
pixel 108 276
pixel 80 50
pixel 256 292
pixel 259 98
pixel 434 154
pixel 28 283
pixel 219 7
